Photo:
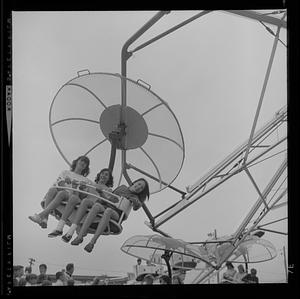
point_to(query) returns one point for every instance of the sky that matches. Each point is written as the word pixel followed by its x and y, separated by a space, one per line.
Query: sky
pixel 210 72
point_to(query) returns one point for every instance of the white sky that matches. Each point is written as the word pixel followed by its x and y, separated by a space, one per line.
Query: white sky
pixel 210 72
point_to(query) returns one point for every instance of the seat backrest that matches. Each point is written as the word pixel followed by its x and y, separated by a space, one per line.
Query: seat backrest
pixel 125 206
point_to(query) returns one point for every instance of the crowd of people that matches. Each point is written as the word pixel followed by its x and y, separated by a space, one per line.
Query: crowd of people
pixel 26 278
pixel 239 276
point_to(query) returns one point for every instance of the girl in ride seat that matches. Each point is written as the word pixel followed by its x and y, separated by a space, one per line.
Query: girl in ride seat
pixel 79 170
pixel 136 194
pixel 103 181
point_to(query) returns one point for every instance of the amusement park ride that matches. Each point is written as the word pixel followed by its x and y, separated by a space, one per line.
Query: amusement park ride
pixel 126 123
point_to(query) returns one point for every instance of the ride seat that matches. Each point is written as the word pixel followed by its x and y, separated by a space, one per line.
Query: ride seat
pixel 114 227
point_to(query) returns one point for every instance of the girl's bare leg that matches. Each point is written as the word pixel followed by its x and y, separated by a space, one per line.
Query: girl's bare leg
pixel 84 205
pixel 60 196
pixel 107 215
pixel 96 208
pixel 70 206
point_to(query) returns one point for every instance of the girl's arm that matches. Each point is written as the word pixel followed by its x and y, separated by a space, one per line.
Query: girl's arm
pixel 136 204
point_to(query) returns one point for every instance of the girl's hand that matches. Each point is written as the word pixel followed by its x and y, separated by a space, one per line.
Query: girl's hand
pixel 82 185
pixel 61 183
pixel 75 184
pixel 68 180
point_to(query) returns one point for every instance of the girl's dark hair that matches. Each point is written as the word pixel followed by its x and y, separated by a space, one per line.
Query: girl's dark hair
pixel 85 171
pixel 110 181
pixel 229 265
pixel 145 192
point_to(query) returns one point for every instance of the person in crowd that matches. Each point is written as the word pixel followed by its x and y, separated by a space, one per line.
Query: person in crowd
pixel 69 271
pixel 165 279
pixel 28 270
pixel 31 279
pixel 136 193
pixel 178 276
pixel 18 272
pixel 230 273
pixel 148 279
pixel 138 267
pixel 22 282
pixel 240 274
pixel 251 277
pixel 60 278
pixel 41 278
pixel 79 170
pixel 71 282
pixel 103 182
pixel 43 271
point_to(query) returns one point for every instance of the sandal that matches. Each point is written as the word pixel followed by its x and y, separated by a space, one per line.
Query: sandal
pixel 36 218
pixel 55 233
pixel 66 238
pixel 43 223
pixel 77 241
pixel 89 247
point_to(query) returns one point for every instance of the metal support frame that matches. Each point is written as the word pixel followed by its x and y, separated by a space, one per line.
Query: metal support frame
pixel 239 163
pixel 263 91
pixel 208 183
pixel 259 17
pixel 125 55
pixel 242 232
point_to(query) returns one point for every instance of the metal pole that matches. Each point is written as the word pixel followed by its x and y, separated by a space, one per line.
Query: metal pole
pixel 170 30
pixel 218 274
pixel 263 91
pixel 259 17
pixel 125 55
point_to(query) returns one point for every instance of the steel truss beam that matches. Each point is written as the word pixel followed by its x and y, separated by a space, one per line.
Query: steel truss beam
pixel 234 161
pixel 242 232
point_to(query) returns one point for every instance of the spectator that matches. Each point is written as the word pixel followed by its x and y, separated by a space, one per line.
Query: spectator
pixel 70 282
pixel 18 272
pixel 41 278
pixel 43 268
pixel 165 279
pixel 179 277
pixel 59 279
pixel 31 279
pixel 22 282
pixel 240 274
pixel 251 278
pixel 43 271
pixel 69 271
pixel 139 261
pixel 148 279
pixel 28 270
pixel 230 273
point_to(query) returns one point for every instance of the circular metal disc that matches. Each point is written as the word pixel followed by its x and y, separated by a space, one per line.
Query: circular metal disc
pixel 87 109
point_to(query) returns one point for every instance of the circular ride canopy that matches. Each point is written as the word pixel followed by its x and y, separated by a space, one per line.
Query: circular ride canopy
pixel 190 256
pixel 88 108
